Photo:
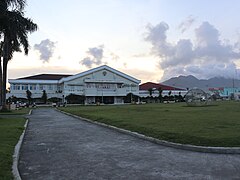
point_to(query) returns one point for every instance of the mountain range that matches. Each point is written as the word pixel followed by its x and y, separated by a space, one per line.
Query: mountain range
pixel 191 82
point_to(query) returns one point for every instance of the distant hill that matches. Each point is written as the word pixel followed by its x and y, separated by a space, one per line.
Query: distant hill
pixel 191 82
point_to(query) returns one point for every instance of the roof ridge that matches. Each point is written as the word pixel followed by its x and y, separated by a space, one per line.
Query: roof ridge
pixel 46 76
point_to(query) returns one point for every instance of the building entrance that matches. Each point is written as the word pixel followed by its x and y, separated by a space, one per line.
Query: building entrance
pixel 105 99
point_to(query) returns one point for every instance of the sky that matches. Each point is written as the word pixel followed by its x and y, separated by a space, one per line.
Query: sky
pixel 151 40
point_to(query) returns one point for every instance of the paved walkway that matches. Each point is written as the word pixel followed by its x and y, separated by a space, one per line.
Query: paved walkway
pixel 57 146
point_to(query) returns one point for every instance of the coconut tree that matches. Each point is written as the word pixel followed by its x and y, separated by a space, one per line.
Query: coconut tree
pixel 169 95
pixel 8 5
pixel 29 96
pixel 14 28
pixel 160 94
pixel 5 5
pixel 150 90
pixel 44 97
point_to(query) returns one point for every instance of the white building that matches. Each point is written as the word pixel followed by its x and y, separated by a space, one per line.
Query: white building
pixel 102 84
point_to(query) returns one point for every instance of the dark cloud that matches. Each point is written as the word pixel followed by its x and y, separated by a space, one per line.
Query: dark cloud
pixel 207 57
pixel 46 49
pixel 95 56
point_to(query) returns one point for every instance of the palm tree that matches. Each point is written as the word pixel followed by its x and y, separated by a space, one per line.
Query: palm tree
pixel 169 95
pixel 14 4
pixel 44 97
pixel 14 28
pixel 29 96
pixel 160 93
pixel 4 6
pixel 150 90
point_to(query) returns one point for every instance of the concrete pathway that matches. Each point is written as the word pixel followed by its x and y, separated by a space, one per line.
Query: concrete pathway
pixel 57 146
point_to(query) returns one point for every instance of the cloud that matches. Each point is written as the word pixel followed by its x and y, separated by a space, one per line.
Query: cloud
pixel 143 75
pixel 95 56
pixel 157 36
pixel 46 49
pixel 205 57
pixel 87 61
pixel 114 56
pixel 140 55
pixel 186 24
pixel 96 52
pixel 205 71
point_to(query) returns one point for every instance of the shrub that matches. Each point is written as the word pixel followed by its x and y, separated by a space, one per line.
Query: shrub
pixel 75 99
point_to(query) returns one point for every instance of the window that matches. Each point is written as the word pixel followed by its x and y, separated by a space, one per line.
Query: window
pixel 41 87
pixel 119 86
pixel 15 87
pixel 50 87
pixel 71 88
pixel 90 85
pixel 25 87
pixel 32 87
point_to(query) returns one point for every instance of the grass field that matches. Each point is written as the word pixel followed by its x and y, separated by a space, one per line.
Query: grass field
pixel 21 111
pixel 11 127
pixel 216 125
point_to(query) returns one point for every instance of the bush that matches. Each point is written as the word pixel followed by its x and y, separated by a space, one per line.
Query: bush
pixel 75 99
pixel 130 98
pixel 55 99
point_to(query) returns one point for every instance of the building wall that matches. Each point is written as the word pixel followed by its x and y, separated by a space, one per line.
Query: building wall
pixel 144 93
pixel 226 91
pixel 102 83
pixel 36 88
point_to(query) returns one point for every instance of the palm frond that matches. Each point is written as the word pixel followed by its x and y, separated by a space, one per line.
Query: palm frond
pixel 15 4
pixel 16 28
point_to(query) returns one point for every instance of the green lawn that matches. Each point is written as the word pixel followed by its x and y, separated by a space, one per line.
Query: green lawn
pixel 11 127
pixel 216 125
pixel 21 111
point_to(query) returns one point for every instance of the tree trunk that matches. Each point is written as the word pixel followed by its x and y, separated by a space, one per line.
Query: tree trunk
pixel 4 83
pixel 4 76
pixel 1 83
pixel 1 87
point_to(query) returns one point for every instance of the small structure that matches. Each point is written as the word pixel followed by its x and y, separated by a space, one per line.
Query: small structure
pixel 197 97
pixel 155 87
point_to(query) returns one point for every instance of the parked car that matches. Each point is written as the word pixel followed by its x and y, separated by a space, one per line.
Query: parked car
pixel 20 104
pixel 54 104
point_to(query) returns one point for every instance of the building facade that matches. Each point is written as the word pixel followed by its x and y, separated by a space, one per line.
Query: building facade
pixel 99 85
pixel 227 92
